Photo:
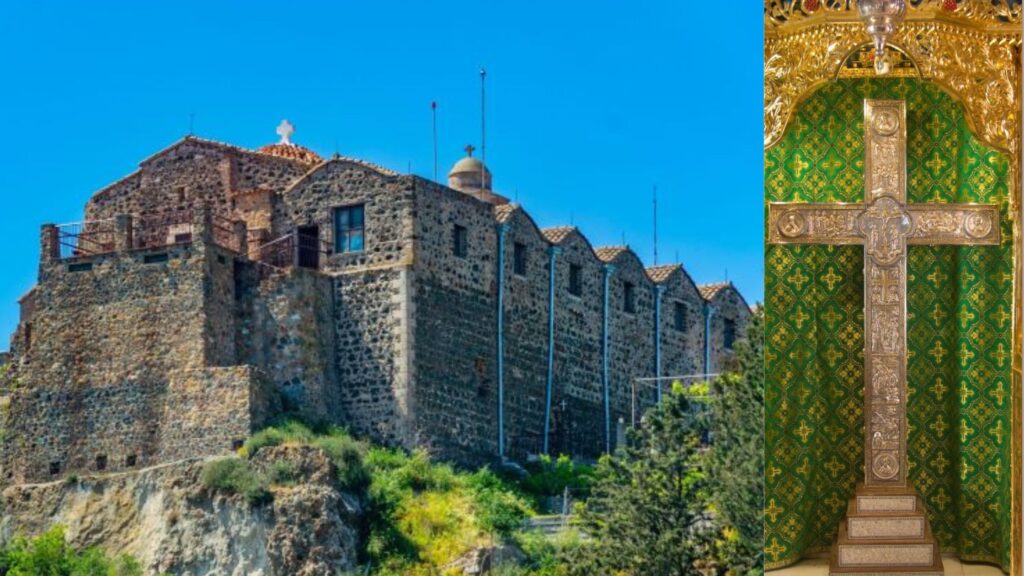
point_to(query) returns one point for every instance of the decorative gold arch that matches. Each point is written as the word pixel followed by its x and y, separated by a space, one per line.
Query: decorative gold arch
pixel 971 48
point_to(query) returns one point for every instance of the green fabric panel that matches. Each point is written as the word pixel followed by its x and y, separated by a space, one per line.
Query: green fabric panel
pixel 959 333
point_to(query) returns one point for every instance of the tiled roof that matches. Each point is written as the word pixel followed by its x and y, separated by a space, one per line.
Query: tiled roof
pixel 709 291
pixel 659 274
pixel 557 234
pixel 609 253
pixel 503 212
pixel 292 152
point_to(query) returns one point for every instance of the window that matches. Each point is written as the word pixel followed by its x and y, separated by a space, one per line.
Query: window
pixel 519 258
pixel 729 333
pixel 575 280
pixel 237 444
pixel 680 316
pixel 101 462
pixel 54 468
pixel 182 196
pixel 28 336
pixel 348 229
pixel 460 241
pixel 155 258
pixel 629 297
pixel 130 461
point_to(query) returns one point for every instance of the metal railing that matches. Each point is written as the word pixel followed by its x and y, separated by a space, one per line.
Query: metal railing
pixel 294 249
pixel 87 238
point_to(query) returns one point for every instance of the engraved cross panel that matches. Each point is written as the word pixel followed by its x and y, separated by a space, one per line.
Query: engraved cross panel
pixel 885 224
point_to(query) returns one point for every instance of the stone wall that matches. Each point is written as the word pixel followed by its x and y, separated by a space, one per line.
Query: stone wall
pixel 454 335
pixel 631 341
pixel 682 351
pixel 729 307
pixel 578 406
pixel 102 384
pixel 526 333
pixel 286 326
pixel 191 173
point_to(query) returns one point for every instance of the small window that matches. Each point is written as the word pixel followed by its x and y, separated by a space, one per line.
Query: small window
pixel 575 280
pixel 158 258
pixel 130 461
pixel 460 239
pixel 729 333
pixel 182 196
pixel 237 444
pixel 349 229
pixel 519 258
pixel 28 336
pixel 629 297
pixel 183 238
pixel 101 462
pixel 80 267
pixel 54 468
pixel 679 316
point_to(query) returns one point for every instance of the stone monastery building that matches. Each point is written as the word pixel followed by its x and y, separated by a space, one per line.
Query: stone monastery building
pixel 217 288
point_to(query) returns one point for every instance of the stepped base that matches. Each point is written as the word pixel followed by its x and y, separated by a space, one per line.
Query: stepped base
pixel 886 532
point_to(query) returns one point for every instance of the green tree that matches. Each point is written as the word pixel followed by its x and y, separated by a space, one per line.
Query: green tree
pixel 648 512
pixel 736 460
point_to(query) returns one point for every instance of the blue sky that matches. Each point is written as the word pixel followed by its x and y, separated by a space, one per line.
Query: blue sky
pixel 590 104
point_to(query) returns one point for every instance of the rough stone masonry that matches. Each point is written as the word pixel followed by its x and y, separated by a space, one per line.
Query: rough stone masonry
pixel 217 288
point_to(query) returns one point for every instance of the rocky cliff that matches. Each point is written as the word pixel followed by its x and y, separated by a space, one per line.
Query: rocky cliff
pixel 166 518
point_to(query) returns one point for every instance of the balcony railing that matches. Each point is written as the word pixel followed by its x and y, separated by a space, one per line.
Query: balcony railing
pixel 88 238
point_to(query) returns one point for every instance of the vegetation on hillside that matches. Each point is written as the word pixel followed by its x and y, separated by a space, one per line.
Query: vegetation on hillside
pixel 667 503
pixel 49 554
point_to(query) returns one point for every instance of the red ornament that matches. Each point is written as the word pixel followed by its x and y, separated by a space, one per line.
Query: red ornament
pixel 949 5
pixel 811 5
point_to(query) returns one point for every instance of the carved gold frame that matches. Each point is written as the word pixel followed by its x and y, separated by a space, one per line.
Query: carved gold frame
pixel 806 45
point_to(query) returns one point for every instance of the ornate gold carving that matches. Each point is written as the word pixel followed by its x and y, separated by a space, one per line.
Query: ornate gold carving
pixel 884 224
pixel 783 14
pixel 973 52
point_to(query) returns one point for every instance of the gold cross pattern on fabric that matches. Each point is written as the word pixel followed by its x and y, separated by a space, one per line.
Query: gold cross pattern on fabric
pixel 885 224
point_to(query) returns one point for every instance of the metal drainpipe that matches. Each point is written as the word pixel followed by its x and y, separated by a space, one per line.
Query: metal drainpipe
pixel 658 291
pixel 608 269
pixel 553 251
pixel 709 311
pixel 502 230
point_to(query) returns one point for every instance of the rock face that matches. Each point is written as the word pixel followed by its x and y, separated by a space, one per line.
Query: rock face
pixel 171 523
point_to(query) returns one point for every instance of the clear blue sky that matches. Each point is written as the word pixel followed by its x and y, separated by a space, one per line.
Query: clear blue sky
pixel 589 105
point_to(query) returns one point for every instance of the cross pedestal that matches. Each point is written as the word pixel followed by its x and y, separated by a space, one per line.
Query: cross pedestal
pixel 886 528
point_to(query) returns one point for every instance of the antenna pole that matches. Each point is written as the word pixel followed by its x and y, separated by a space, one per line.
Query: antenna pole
pixel 655 198
pixel 433 113
pixel 191 123
pixel 483 127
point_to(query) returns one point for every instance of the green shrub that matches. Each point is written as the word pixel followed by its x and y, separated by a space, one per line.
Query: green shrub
pixel 282 473
pixel 549 477
pixel 235 476
pixel 347 455
pixel 48 554
pixel 291 431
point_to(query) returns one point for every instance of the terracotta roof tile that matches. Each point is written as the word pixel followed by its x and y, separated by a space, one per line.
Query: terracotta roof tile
pixel 503 212
pixel 659 274
pixel 709 291
pixel 609 253
pixel 558 234
pixel 292 152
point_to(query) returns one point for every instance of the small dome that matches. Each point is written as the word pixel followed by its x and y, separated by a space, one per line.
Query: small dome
pixel 467 173
pixel 286 149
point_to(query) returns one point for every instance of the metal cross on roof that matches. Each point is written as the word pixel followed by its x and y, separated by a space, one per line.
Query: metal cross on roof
pixel 469 149
pixel 285 131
